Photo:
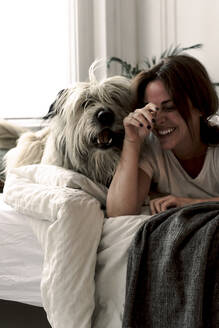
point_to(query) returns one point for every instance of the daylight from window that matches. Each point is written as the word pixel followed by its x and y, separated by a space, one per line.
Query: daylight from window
pixel 34 56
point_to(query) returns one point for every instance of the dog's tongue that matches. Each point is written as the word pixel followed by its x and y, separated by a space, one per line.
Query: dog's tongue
pixel 104 137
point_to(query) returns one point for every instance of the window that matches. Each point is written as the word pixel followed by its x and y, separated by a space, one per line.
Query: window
pixel 36 57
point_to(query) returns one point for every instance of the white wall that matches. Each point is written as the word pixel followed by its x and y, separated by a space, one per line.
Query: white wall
pixel 149 27
pixel 198 21
pixel 163 23
pixel 136 29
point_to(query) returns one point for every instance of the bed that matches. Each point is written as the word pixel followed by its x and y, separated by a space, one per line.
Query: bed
pixel 25 280
pixel 59 252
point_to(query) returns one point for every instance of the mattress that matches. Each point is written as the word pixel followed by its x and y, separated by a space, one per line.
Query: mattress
pixel 21 258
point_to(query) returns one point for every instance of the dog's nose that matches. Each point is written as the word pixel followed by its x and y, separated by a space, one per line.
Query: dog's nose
pixel 105 116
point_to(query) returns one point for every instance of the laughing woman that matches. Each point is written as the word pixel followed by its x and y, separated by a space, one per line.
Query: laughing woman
pixel 174 101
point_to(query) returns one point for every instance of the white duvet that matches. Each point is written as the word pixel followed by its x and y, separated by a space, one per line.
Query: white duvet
pixel 85 254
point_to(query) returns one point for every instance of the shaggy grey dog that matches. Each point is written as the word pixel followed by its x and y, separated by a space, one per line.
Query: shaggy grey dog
pixel 85 131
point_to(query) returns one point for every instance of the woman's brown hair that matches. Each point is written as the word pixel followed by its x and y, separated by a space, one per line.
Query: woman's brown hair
pixel 187 81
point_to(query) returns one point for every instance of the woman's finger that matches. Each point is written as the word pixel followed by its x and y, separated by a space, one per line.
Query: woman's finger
pixel 160 204
pixel 146 115
pixel 155 205
pixel 168 204
pixel 138 120
pixel 152 208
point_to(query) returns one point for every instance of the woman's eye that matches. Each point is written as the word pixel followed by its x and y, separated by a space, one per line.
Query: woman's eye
pixel 169 108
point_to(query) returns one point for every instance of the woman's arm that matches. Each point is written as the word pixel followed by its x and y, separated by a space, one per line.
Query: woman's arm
pixel 130 185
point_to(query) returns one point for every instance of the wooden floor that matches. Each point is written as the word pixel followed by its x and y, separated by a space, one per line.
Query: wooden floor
pixel 18 315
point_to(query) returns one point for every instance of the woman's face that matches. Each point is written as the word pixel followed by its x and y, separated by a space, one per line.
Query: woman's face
pixel 170 127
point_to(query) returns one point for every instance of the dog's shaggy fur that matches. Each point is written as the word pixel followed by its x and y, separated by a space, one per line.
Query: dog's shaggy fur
pixel 85 130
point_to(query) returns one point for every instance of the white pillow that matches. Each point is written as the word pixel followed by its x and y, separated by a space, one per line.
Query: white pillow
pixel 32 189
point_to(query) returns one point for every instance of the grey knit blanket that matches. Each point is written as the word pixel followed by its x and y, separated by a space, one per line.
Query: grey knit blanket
pixel 173 270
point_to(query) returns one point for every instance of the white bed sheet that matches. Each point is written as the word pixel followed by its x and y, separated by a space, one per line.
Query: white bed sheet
pixel 82 278
pixel 21 258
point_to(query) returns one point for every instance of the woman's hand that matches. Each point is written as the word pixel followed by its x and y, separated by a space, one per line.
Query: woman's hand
pixel 161 204
pixel 139 123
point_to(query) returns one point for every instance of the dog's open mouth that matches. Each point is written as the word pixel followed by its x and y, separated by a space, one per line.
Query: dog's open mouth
pixel 107 138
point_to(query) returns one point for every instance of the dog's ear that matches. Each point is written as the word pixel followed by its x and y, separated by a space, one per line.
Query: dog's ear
pixel 56 106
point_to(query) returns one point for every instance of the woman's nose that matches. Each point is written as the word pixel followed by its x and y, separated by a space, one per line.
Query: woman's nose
pixel 160 116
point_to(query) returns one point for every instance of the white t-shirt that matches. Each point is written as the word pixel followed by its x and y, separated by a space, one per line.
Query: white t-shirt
pixel 170 177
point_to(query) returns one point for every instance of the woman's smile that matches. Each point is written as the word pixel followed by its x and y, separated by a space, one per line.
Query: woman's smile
pixel 168 136
pixel 164 131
